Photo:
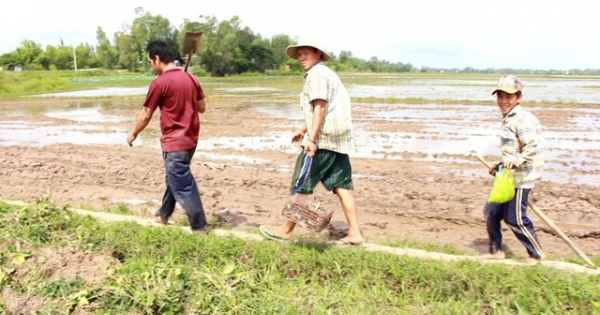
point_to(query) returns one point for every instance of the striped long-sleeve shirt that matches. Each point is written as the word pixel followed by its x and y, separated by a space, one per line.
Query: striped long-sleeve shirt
pixel 336 133
pixel 523 144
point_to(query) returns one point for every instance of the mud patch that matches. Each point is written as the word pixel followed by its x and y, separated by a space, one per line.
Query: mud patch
pixel 66 264
pixel 16 303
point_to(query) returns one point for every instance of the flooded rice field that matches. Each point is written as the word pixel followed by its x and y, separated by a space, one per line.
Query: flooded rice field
pixel 444 133
pixel 557 90
pixel 415 172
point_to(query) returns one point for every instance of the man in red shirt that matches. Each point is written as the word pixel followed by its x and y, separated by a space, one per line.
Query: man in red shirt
pixel 180 99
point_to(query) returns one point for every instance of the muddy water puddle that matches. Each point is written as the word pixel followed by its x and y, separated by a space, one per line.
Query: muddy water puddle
pixel 426 132
pixel 447 134
pixel 536 89
pixel 140 91
pixel 40 134
pixel 87 115
pixel 83 125
pixel 101 92
pixel 454 133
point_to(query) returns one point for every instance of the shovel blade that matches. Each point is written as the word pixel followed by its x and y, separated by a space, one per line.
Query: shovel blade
pixel 191 42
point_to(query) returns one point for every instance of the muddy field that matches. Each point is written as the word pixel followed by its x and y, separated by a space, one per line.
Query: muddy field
pixel 416 177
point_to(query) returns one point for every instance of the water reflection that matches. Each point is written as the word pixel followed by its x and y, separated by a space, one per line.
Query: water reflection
pixel 101 92
pixel 441 133
pixel 440 137
pixel 453 133
pixel 136 91
pixel 555 90
pixel 87 115
pixel 536 89
pixel 39 134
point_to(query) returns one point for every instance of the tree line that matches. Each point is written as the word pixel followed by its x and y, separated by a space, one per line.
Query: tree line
pixel 226 49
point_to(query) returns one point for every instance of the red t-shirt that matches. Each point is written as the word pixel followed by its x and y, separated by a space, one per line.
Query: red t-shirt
pixel 176 93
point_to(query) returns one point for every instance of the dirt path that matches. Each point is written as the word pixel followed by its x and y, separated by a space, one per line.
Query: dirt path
pixel 243 174
pixel 409 252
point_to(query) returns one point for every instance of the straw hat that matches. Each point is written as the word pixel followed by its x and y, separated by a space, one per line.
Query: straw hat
pixel 292 50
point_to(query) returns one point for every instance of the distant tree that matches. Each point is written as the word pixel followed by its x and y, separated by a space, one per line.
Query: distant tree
pixel 256 57
pixel 132 40
pixel 225 49
pixel 47 58
pixel 9 59
pixel 245 36
pixel 85 56
pixel 278 45
pixel 107 55
pixel 407 67
pixel 221 48
pixel 347 62
pixel 63 58
pixel 28 54
pixel 146 28
pixel 251 50
pixel 345 56
pixel 128 57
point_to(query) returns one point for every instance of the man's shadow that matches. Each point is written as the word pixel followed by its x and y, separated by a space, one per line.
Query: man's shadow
pixel 482 246
pixel 230 217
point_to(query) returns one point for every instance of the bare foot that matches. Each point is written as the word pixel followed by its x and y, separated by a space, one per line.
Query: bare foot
pixel 497 255
pixel 532 261
pixel 354 238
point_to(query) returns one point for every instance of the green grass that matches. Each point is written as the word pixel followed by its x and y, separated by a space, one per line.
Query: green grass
pixel 168 271
pixel 17 84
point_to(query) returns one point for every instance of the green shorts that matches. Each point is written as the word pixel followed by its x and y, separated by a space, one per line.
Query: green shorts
pixel 331 168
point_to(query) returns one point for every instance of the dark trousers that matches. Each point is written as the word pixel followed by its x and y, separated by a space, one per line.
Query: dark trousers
pixel 182 188
pixel 514 214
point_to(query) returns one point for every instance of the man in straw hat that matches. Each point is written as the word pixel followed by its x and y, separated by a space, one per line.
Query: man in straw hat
pixel 522 151
pixel 326 135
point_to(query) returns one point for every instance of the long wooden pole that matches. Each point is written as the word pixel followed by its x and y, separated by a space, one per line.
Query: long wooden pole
pixel 551 224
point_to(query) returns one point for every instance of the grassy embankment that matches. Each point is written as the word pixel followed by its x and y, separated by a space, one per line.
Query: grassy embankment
pixel 168 271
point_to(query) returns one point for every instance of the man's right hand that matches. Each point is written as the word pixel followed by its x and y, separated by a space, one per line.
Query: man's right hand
pixel 130 139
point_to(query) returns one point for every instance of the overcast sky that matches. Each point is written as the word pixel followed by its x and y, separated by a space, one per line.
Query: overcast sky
pixel 531 34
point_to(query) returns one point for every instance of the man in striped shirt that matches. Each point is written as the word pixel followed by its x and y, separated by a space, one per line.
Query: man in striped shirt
pixel 326 135
pixel 522 148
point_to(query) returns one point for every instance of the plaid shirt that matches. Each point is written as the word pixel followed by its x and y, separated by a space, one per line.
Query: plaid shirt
pixel 321 83
pixel 522 143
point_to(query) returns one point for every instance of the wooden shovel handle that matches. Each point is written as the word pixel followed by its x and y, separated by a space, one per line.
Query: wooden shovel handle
pixel 550 224
pixel 187 63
